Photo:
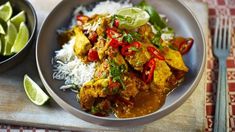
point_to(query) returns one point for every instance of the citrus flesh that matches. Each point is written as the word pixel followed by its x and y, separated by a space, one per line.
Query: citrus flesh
pixel 18 19
pixel 34 92
pixel 6 11
pixel 134 17
pixel 9 38
pixel 21 38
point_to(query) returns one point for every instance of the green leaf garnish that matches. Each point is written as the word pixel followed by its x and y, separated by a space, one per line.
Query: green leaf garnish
pixel 155 18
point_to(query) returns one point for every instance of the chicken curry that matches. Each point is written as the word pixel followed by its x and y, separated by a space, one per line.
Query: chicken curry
pixel 135 70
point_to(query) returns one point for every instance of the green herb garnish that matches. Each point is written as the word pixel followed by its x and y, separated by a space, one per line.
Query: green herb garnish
pixel 130 37
pixel 116 71
pixel 155 18
pixel 134 49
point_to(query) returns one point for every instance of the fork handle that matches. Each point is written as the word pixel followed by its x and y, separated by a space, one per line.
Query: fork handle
pixel 220 120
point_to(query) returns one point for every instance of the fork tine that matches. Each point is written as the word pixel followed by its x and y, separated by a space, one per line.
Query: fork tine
pixel 229 33
pixel 224 44
pixel 219 43
pixel 216 33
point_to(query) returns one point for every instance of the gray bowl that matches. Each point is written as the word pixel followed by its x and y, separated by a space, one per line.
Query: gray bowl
pixel 180 18
pixel 31 22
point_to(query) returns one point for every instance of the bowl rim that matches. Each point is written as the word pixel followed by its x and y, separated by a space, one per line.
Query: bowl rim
pixel 92 118
pixel 27 3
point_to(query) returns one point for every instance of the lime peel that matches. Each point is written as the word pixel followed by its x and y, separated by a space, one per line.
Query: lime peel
pixel 34 92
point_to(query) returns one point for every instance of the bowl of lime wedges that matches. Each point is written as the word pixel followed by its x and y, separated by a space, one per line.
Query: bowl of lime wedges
pixel 18 25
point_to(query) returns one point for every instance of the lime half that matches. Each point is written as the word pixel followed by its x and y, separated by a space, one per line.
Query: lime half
pixel 6 11
pixel 34 92
pixel 133 17
pixel 21 39
pixel 18 19
pixel 9 38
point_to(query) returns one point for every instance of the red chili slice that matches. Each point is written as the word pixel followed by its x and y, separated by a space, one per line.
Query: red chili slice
pixel 116 23
pixel 176 42
pixel 93 55
pixel 183 44
pixel 114 36
pixel 127 51
pixel 186 46
pixel 149 70
pixel 155 53
pixel 114 43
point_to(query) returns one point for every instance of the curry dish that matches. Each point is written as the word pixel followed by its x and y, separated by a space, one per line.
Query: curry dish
pixel 135 68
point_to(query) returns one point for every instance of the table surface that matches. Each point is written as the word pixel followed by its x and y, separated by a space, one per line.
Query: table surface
pixel 216 7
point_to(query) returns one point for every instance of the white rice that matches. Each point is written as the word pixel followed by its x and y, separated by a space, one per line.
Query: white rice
pixel 110 7
pixel 70 68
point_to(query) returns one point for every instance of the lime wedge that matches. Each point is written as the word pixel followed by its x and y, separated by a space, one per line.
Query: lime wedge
pixel 18 19
pixel 2 31
pixel 6 11
pixel 2 44
pixel 9 38
pixel 3 26
pixel 21 38
pixel 133 17
pixel 34 92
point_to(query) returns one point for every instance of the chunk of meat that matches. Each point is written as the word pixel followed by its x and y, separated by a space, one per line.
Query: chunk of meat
pixel 161 73
pixel 92 90
pixel 146 33
pixel 82 43
pixel 102 70
pixel 101 46
pixel 119 60
pixel 174 59
pixel 133 85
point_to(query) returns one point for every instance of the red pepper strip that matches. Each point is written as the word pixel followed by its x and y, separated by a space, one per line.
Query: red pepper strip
pixel 126 50
pixel 185 47
pixel 149 70
pixel 93 55
pixel 114 43
pixel 114 35
pixel 155 53
pixel 176 42
pixel 116 23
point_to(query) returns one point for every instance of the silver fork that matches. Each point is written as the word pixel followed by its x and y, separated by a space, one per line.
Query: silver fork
pixel 221 47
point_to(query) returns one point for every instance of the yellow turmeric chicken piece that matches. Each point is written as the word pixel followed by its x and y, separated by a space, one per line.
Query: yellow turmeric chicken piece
pixel 174 59
pixel 161 73
pixel 82 43
pixel 92 90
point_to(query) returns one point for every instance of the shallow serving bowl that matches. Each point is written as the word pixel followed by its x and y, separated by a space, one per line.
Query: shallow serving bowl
pixel 180 18
pixel 31 22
